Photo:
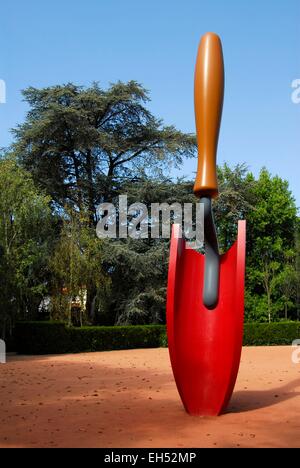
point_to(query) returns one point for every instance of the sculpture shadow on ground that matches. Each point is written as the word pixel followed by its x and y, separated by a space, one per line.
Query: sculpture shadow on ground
pixel 249 400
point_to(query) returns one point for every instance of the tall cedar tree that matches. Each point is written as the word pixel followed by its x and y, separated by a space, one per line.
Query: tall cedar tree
pixel 81 143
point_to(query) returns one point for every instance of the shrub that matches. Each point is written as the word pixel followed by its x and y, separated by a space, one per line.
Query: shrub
pixel 42 338
pixel 57 338
pixel 271 334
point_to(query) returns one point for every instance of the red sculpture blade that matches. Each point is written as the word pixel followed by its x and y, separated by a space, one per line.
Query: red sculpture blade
pixel 205 345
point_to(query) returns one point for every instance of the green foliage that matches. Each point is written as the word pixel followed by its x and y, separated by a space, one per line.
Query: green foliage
pixel 271 276
pixel 128 277
pixel 76 262
pixel 271 250
pixel 271 334
pixel 286 283
pixel 138 268
pixel 235 201
pixel 137 271
pixel 55 337
pixel 26 226
pixel 81 143
pixel 83 146
pixel 42 338
pixel 256 307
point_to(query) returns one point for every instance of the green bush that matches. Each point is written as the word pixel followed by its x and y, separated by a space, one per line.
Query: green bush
pixel 42 338
pixel 271 334
pixel 57 338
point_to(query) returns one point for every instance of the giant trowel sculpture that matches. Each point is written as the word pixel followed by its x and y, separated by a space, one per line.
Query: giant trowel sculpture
pixel 205 299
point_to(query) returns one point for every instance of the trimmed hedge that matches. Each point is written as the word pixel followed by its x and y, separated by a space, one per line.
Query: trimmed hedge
pixel 57 338
pixel 271 334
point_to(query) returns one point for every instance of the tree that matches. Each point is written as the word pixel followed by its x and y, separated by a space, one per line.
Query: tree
pixel 80 143
pixel 297 267
pixel 138 269
pixel 75 263
pixel 270 237
pixel 26 233
pixel 234 202
pixel 267 276
pixel 269 208
pixel 84 146
pixel 287 285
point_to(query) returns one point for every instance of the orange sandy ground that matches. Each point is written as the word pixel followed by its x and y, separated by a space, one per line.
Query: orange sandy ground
pixel 129 399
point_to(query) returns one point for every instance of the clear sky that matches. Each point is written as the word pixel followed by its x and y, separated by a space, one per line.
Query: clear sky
pixel 155 42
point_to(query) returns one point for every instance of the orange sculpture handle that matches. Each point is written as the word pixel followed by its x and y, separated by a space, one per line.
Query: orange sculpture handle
pixel 209 94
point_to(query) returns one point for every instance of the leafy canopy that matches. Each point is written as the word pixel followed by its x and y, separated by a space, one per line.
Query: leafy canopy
pixel 80 143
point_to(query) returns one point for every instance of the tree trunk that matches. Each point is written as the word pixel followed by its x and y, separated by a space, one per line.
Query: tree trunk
pixel 91 195
pixel 91 296
pixel 285 311
pixel 78 182
pixel 70 312
pixel 269 306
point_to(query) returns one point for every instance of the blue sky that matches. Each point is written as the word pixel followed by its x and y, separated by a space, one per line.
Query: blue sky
pixel 155 42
